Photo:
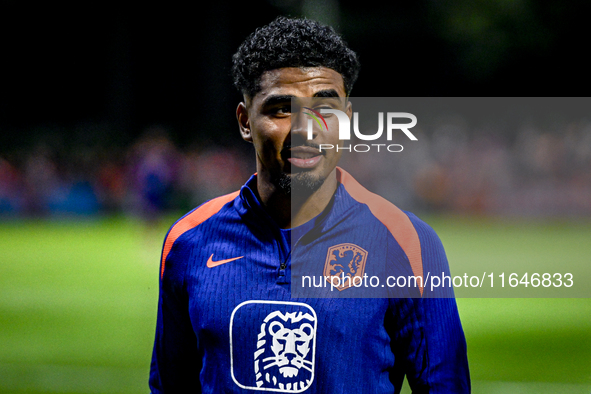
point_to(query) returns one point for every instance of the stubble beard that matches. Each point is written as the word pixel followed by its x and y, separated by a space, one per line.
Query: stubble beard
pixel 301 182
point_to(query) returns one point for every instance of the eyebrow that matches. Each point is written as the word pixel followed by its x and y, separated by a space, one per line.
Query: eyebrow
pixel 326 93
pixel 277 99
pixel 283 98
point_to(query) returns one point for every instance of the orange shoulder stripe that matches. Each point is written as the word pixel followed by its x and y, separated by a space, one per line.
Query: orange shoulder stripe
pixel 194 219
pixel 396 221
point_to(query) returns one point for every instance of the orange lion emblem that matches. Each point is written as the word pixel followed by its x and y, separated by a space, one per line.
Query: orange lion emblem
pixel 347 262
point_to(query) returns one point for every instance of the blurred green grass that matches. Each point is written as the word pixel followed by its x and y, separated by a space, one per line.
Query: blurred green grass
pixel 78 306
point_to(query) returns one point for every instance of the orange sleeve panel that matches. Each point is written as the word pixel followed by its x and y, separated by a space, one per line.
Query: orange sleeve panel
pixel 192 220
pixel 396 221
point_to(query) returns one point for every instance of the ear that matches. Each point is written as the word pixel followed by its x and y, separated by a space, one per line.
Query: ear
pixel 243 122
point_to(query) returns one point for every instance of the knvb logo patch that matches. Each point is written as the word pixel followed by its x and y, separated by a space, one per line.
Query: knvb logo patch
pixel 347 263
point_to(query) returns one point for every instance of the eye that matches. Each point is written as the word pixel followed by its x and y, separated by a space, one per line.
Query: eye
pixel 282 110
pixel 325 115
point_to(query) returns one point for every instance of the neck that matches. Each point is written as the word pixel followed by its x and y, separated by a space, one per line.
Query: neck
pixel 290 210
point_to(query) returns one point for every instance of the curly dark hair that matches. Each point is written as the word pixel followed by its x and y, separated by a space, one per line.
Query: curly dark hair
pixel 288 42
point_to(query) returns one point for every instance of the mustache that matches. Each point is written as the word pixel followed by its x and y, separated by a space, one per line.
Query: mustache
pixel 308 144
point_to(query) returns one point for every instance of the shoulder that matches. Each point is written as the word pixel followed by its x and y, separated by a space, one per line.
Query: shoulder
pixel 426 233
pixel 191 220
pixel 398 222
pixel 432 249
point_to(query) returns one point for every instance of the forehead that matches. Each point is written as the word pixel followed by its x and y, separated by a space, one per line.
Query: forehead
pixel 299 82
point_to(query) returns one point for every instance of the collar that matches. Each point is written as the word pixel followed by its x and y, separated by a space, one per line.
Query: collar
pixel 251 209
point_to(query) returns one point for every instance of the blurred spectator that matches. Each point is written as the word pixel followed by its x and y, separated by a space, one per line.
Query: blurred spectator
pixel 41 181
pixel 112 185
pixel 152 166
pixel 212 171
pixel 11 198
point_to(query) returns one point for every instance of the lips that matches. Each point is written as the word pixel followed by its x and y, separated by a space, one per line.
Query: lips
pixel 304 157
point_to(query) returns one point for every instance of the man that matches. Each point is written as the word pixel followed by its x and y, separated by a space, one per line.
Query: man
pixel 226 318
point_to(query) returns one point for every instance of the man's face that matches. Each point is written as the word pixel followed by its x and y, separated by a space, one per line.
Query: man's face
pixel 278 130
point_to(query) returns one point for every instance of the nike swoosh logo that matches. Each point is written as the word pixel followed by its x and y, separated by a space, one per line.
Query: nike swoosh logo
pixel 211 263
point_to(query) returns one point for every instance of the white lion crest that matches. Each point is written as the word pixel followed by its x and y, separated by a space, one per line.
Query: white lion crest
pixel 283 357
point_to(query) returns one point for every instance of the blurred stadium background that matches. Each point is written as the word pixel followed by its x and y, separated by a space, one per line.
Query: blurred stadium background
pixel 116 120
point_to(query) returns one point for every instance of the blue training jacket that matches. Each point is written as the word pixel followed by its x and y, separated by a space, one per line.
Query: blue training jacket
pixel 227 322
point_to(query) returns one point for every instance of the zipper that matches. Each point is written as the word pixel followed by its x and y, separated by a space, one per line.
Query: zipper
pixel 281 276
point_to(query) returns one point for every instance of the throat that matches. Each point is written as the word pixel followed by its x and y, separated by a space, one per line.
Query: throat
pixel 293 209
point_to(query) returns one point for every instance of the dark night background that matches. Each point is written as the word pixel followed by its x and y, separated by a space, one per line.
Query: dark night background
pixel 71 68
